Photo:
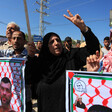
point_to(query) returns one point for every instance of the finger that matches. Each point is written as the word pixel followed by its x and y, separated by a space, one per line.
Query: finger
pixel 94 58
pixel 91 58
pixel 97 54
pixel 94 66
pixel 67 17
pixel 78 16
pixel 87 60
pixel 70 14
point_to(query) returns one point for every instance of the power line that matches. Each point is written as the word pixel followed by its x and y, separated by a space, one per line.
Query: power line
pixel 3 23
pixel 57 25
pixel 57 3
pixel 94 20
pixel 80 4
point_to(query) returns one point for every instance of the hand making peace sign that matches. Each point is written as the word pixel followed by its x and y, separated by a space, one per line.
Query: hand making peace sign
pixel 77 21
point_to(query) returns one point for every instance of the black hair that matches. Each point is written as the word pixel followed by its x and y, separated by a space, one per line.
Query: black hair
pixel 5 80
pixel 107 38
pixel 23 34
pixel 68 39
pixel 99 108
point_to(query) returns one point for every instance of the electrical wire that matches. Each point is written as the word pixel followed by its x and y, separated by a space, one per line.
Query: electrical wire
pixel 80 4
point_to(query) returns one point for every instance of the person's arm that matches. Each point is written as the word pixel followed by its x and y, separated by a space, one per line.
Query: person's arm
pixel 31 68
pixel 92 42
pixel 92 45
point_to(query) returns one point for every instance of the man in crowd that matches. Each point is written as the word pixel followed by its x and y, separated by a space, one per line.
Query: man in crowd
pixel 11 27
pixel 6 95
pixel 68 43
pixel 38 47
pixel 106 47
pixel 17 42
pixel 78 44
pixel 19 51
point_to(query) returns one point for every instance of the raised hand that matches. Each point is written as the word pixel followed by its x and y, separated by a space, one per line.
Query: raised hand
pixel 31 49
pixel 77 21
pixel 93 62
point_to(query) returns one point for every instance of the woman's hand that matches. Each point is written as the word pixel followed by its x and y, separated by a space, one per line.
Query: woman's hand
pixel 77 21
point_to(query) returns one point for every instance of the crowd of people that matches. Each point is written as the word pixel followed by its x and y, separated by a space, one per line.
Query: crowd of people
pixel 14 48
pixel 47 62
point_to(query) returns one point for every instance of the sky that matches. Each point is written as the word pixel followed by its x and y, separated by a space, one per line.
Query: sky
pixel 95 13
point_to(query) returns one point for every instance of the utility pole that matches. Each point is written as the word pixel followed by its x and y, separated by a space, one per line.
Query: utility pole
pixel 110 18
pixel 43 6
pixel 81 37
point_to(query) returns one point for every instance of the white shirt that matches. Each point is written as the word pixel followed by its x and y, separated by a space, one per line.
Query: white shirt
pixel 105 51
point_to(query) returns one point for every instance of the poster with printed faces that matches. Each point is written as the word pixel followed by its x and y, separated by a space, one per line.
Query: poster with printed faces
pixel 12 85
pixel 88 90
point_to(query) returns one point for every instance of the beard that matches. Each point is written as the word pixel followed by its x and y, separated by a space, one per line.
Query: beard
pixel 18 49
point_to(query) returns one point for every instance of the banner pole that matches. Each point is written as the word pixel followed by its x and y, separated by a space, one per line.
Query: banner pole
pixel 27 20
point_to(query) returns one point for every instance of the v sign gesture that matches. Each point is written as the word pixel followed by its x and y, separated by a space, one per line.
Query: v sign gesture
pixel 77 21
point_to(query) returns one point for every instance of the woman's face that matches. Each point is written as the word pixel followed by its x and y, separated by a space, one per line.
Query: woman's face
pixel 55 45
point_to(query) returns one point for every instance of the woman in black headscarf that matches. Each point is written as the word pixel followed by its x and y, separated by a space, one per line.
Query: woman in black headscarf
pixel 48 70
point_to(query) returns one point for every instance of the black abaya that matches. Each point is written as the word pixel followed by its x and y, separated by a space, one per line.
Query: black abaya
pixel 49 71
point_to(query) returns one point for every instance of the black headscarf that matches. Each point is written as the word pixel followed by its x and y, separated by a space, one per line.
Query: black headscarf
pixel 51 66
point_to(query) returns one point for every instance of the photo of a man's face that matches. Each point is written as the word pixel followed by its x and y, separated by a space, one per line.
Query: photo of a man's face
pixel 5 92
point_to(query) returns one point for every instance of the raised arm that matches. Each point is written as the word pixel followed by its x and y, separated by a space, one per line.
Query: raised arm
pixel 32 64
pixel 92 42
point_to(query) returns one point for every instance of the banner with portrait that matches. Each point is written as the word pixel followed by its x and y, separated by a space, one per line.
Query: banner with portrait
pixel 12 83
pixel 86 89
